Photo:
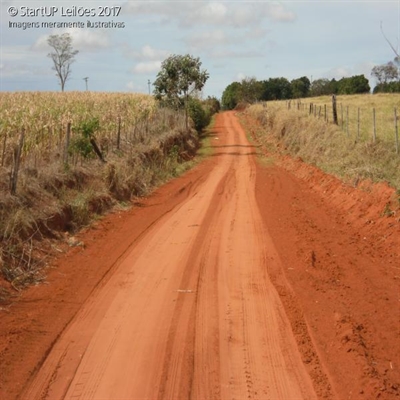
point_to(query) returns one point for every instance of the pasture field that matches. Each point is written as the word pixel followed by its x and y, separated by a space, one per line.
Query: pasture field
pixel 355 113
pixel 348 150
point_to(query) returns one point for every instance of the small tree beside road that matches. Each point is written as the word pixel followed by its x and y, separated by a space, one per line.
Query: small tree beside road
pixel 179 77
pixel 63 56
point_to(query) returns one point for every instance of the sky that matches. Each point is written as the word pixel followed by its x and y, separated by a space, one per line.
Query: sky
pixel 233 39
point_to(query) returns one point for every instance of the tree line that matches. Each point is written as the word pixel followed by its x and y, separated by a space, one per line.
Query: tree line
pixel 250 90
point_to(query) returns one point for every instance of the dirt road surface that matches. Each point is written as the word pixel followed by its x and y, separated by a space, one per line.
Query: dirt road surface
pixel 236 281
pixel 190 312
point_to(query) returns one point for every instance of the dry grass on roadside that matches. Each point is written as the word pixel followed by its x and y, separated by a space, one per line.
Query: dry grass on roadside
pixel 326 145
pixel 53 197
pixel 351 108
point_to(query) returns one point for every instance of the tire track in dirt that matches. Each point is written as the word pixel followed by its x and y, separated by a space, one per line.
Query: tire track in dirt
pixel 190 311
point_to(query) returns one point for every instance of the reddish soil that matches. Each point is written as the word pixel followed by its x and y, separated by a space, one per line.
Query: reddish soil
pixel 237 280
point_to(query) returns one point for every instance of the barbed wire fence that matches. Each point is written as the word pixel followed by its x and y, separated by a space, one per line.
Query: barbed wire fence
pixel 362 124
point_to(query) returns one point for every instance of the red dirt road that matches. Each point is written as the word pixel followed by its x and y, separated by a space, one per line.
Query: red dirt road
pixel 236 281
pixel 190 312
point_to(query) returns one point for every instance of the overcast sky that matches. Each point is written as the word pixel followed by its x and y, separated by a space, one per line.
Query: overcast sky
pixel 234 39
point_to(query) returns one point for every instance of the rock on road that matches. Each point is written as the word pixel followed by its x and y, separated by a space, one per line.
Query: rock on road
pixel 190 312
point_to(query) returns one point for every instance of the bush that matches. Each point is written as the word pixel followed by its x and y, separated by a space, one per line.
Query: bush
pixel 81 143
pixel 212 105
pixel 198 114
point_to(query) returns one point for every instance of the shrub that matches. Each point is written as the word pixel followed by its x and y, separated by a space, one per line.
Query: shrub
pixel 198 114
pixel 81 144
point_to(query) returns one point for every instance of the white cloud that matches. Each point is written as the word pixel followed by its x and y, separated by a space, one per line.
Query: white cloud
pixel 278 12
pixel 196 13
pixel 212 13
pixel 257 33
pixel 19 60
pixel 339 72
pixel 85 39
pixel 147 67
pixel 13 53
pixel 41 44
pixel 219 43
pixel 147 53
pixel 246 17
pixel 347 71
pixel 150 53
pixel 236 54
pixel 149 58
pixel 158 8
pixel 364 68
pixel 240 76
pixel 12 70
pixel 207 39
pixel 82 39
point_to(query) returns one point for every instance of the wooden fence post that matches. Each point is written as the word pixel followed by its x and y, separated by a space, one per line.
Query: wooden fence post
pixel 67 140
pixel 341 114
pixel 325 115
pixel 358 123
pixel 3 156
pixel 374 120
pixel 17 160
pixel 347 121
pixel 119 133
pixel 396 130
pixel 97 150
pixel 335 119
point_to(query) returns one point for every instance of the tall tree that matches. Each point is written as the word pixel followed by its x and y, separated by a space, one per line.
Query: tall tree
pixel 320 87
pixel 385 73
pixel 356 84
pixel 300 87
pixel 387 76
pixel 63 56
pixel 277 89
pixel 251 90
pixel 179 77
pixel 231 95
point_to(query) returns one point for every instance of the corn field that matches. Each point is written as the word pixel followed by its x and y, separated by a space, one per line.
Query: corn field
pixel 65 157
pixel 44 118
